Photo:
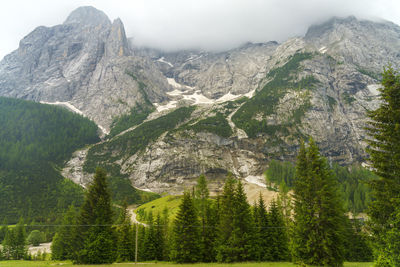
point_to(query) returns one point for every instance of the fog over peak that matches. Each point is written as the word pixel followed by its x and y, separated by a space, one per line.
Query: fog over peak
pixel 193 24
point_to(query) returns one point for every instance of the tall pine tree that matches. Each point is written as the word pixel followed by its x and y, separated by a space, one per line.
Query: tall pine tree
pixel 227 215
pixel 262 235
pixel 125 237
pixel 208 220
pixel 319 215
pixel 96 234
pixel 186 234
pixel 384 149
pixel 277 234
pixel 64 241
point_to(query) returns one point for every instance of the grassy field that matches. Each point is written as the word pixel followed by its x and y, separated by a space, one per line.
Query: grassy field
pixel 158 205
pixel 148 264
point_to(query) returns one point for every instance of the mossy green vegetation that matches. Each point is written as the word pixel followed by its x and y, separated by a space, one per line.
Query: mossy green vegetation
pixel 216 124
pixel 331 102
pixel 348 98
pixel 167 204
pixel 142 87
pixel 136 116
pixel 135 140
pixel 265 101
pixel 369 73
pixel 36 139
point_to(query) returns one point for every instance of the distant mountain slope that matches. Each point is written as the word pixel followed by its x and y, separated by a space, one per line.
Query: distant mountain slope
pixel 36 139
pixel 308 86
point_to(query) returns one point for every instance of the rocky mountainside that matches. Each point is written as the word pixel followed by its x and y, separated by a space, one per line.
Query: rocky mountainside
pixel 176 115
pixel 86 62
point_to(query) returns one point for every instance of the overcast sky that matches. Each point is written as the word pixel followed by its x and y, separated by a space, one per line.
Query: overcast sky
pixel 201 24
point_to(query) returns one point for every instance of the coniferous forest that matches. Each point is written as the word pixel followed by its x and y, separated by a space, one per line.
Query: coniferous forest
pixel 307 224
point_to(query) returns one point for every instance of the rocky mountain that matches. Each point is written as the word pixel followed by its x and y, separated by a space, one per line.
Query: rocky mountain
pixel 175 115
pixel 85 62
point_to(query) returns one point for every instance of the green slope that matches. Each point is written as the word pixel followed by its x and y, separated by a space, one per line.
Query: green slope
pixel 35 139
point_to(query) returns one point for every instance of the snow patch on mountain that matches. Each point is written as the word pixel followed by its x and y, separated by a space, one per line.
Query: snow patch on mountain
pixel 76 110
pixel 257 180
pixel 373 88
pixel 162 59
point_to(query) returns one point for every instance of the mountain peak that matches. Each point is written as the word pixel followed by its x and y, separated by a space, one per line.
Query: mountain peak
pixel 317 30
pixel 87 15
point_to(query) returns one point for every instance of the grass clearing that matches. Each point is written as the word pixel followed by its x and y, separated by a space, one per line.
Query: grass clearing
pixel 166 264
pixel 160 205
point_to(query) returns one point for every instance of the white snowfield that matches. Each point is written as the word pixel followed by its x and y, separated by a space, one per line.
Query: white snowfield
pixel 74 109
pixel 323 49
pixel 257 180
pixel 197 97
pixel 162 59
pixel 373 88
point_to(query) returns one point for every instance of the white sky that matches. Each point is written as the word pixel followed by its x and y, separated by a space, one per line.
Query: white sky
pixel 185 24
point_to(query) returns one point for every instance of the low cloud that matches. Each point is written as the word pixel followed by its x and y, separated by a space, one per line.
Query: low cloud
pixel 187 24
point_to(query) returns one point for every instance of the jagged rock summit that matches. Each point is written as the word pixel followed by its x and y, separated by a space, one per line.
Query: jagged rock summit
pixel 83 62
pixel 87 15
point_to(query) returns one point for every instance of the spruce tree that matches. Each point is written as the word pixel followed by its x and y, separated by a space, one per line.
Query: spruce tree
pixel 159 238
pixel 125 241
pixel 63 245
pixel 3 230
pixel 277 234
pixel 14 244
pixel 186 235
pixel 236 240
pixel 357 247
pixel 319 215
pixel 384 149
pixel 141 242
pixel 243 231
pixel 96 234
pixel 227 215
pixel 262 226
pixel 208 220
pixel 150 239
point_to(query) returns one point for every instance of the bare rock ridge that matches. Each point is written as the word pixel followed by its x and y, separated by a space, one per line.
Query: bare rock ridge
pixel 318 85
pixel 85 62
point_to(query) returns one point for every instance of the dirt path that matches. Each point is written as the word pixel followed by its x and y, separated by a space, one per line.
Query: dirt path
pixel 131 211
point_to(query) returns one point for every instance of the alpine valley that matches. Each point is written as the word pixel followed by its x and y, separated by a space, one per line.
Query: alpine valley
pixel 165 118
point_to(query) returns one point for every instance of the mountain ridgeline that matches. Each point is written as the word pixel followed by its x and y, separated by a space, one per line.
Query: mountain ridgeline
pixel 171 116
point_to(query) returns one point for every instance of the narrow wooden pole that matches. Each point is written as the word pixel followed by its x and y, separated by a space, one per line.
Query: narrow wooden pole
pixel 136 242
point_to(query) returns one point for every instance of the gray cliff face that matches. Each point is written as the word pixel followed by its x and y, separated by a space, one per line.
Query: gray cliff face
pixel 369 45
pixel 89 63
pixel 237 71
pixel 85 62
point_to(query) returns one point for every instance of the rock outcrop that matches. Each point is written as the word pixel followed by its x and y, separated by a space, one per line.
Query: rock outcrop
pixel 87 62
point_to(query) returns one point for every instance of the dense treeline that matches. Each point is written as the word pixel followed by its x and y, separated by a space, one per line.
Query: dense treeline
pixel 353 182
pixel 35 139
pixel 216 124
pixel 384 147
pixel 223 229
pixel 136 116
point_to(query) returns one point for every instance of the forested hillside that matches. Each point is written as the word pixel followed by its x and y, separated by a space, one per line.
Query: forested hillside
pixel 35 139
